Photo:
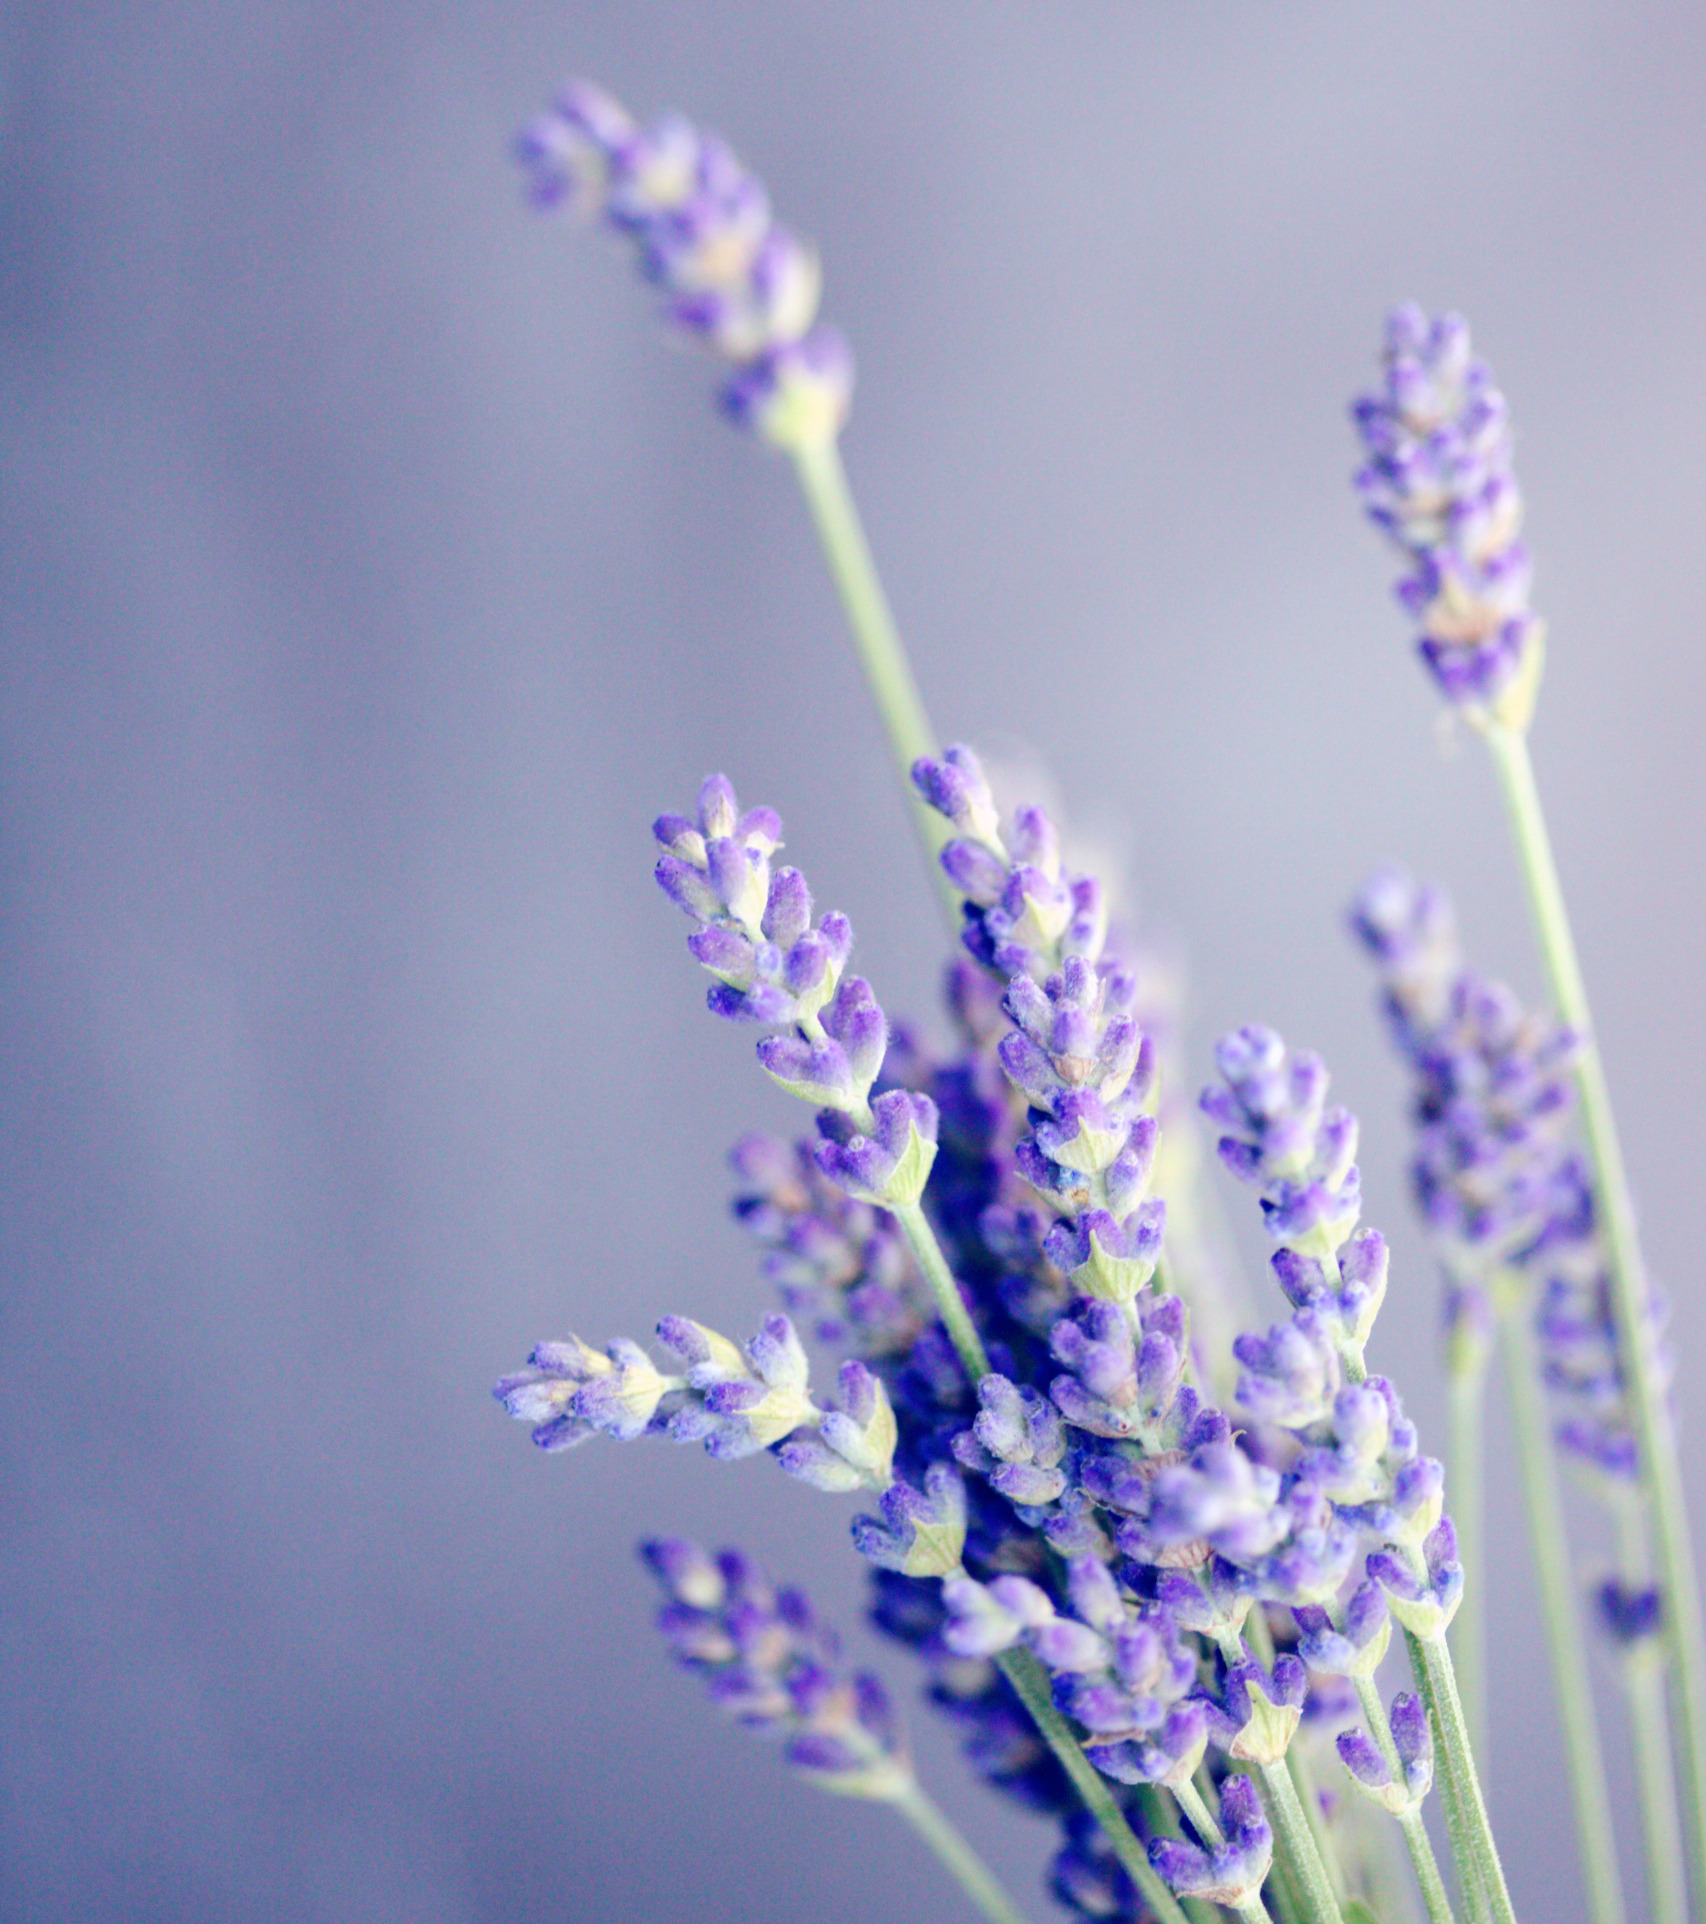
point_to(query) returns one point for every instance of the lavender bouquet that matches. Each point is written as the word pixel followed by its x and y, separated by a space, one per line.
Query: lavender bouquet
pixel 1171 1555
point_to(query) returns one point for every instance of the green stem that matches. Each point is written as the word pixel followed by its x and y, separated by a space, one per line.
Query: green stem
pixel 957 1857
pixel 1468 1389
pixel 1426 1867
pixel 1571 1674
pixel 1308 1793
pixel 1472 1845
pixel 1291 1830
pixel 882 655
pixel 950 1304
pixel 1644 1387
pixel 1416 1841
pixel 1030 1684
pixel 1644 1688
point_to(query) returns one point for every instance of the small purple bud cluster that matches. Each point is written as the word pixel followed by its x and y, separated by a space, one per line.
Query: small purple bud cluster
pixel 1300 1157
pixel 701 224
pixel 1357 1473
pixel 1229 1873
pixel 735 1400
pixel 1581 1353
pixel 1399 1790
pixel 1440 483
pixel 774 1666
pixel 1492 1096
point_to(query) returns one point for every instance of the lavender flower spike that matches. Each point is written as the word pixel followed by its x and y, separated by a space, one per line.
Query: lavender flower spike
pixel 1439 481
pixel 754 932
pixel 732 278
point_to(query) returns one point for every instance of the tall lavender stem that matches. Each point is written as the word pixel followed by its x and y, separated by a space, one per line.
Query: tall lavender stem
pixel 882 655
pixel 1570 1669
pixel 1648 1405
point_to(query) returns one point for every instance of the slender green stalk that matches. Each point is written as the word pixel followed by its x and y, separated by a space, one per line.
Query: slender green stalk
pixel 888 672
pixel 1426 1867
pixel 1415 1832
pixel 1309 1795
pixel 1030 1683
pixel 921 1240
pixel 1468 1468
pixel 1292 1833
pixel 1570 1673
pixel 1649 1409
pixel 957 1857
pixel 1644 1688
pixel 1472 1845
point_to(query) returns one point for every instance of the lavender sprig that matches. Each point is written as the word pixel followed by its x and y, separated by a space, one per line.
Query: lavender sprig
pixel 736 1401
pixel 770 1662
pixel 1439 482
pixel 1511 1213
pixel 732 277
pixel 1501 703
pixel 774 966
pixel 1359 1474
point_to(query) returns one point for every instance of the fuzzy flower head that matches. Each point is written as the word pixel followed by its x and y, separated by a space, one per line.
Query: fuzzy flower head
pixel 1439 481
pixel 732 278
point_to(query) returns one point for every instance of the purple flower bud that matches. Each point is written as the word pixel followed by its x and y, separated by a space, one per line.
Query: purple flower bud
pixel 1632 1614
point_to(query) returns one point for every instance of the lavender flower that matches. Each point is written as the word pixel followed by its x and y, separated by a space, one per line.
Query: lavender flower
pixel 1076 1051
pixel 1499 1183
pixel 1254 1713
pixel 700 223
pixel 771 1663
pixel 1440 483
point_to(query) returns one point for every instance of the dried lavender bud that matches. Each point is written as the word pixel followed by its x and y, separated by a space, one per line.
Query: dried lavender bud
pixel 1423 1592
pixel 1632 1613
pixel 1357 1649
pixel 1372 1772
pixel 1440 483
pixel 774 1666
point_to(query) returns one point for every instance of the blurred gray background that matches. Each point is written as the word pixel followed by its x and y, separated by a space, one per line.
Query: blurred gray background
pixel 372 572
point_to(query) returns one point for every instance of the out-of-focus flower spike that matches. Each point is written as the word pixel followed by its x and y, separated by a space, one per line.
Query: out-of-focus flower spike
pixel 1439 482
pixel 702 228
pixel 769 1662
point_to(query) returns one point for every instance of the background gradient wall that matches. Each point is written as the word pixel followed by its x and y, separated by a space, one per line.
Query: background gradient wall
pixel 371 574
